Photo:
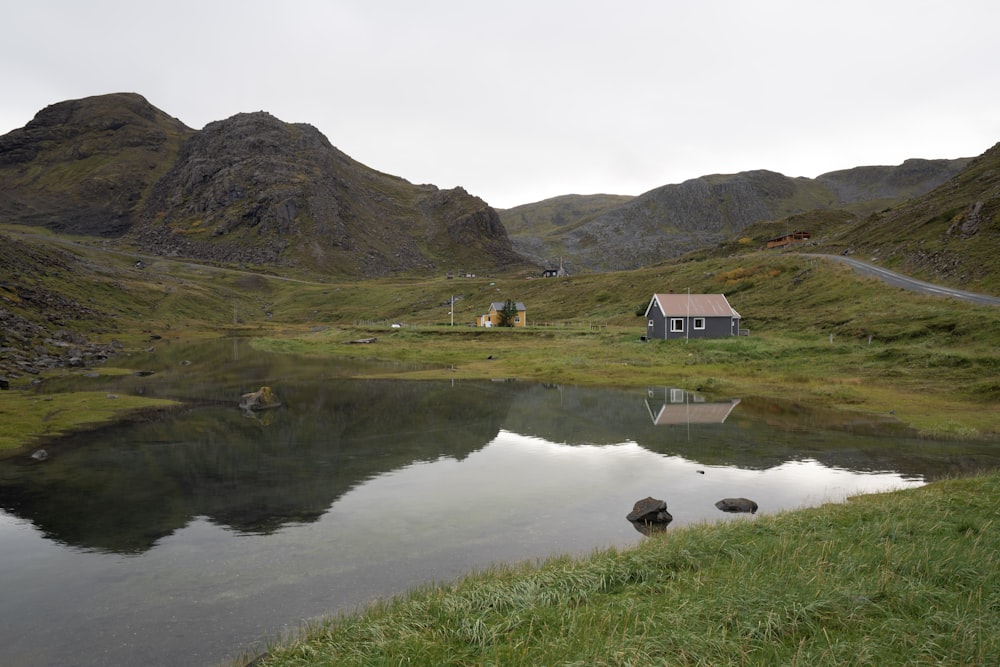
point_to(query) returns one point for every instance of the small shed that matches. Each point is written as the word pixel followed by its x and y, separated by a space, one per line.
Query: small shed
pixel 492 316
pixel 672 315
pixel 553 272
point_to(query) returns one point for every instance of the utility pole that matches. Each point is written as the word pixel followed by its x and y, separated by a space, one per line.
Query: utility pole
pixel 687 324
pixel 452 310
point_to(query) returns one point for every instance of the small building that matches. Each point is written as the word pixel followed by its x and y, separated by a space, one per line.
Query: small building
pixel 555 273
pixel 492 316
pixel 670 316
pixel 788 239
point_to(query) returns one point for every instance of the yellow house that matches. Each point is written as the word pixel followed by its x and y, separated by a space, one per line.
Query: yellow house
pixel 492 317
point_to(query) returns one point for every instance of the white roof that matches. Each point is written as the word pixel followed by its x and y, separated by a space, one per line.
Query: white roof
pixel 696 305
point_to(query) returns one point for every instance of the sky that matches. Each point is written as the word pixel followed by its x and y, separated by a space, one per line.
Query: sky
pixel 518 101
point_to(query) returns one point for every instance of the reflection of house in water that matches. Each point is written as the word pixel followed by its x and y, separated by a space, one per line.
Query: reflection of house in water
pixel 669 405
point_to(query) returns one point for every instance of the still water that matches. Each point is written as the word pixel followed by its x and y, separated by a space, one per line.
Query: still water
pixel 188 538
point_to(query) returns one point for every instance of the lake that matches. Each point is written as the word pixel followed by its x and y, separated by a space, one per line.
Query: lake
pixel 203 532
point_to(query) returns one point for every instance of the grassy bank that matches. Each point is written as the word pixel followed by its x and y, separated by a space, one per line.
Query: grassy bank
pixel 904 578
pixel 33 418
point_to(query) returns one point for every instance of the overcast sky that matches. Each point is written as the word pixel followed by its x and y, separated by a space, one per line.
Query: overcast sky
pixel 518 101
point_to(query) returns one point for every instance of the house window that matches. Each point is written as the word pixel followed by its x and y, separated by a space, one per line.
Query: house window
pixel 517 319
pixel 650 323
pixel 699 323
pixel 676 324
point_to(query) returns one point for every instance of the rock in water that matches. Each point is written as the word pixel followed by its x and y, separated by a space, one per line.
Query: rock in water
pixel 737 505
pixel 650 510
pixel 262 399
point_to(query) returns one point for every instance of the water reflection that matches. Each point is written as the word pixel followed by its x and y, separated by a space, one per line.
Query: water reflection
pixel 182 540
pixel 674 406
pixel 125 488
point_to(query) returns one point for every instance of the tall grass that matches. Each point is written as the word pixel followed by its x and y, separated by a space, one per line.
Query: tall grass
pixel 905 578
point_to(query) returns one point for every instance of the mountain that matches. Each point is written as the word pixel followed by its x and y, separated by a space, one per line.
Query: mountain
pixel 674 219
pixel 538 227
pixel 248 190
pixel 86 166
pixel 254 191
pixel 950 234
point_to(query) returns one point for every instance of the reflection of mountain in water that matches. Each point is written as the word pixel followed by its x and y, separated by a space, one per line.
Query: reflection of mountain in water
pixel 129 486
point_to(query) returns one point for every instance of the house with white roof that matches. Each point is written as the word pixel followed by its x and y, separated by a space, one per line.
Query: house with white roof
pixel 686 316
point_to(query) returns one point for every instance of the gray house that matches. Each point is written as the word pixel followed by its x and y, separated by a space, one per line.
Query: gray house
pixel 691 316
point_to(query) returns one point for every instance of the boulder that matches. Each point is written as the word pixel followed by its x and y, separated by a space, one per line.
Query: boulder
pixel 262 399
pixel 737 505
pixel 650 510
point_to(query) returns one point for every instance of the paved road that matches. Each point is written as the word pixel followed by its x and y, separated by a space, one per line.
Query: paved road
pixel 899 280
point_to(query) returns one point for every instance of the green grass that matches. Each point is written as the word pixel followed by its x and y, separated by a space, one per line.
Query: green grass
pixel 29 417
pixel 926 385
pixel 905 578
pixel 933 361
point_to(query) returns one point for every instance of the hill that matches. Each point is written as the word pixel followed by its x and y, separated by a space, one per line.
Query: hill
pixel 948 235
pixel 675 219
pixel 248 190
pixel 536 229
pixel 86 166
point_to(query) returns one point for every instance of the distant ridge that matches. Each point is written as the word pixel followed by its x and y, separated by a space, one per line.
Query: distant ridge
pixel 674 219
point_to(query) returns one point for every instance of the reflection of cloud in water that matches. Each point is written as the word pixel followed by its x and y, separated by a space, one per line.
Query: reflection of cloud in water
pixel 529 483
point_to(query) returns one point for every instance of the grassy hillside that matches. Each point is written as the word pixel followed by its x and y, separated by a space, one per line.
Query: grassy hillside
pixel 949 235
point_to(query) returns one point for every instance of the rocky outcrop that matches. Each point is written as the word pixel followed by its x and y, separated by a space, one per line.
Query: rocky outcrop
pixel 39 328
pixel 28 349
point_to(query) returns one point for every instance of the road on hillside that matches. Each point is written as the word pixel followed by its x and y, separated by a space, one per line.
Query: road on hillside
pixel 912 284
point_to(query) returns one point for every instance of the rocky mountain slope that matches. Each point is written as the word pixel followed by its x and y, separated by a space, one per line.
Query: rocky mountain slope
pixel 86 166
pixel 949 235
pixel 43 312
pixel 674 219
pixel 249 190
